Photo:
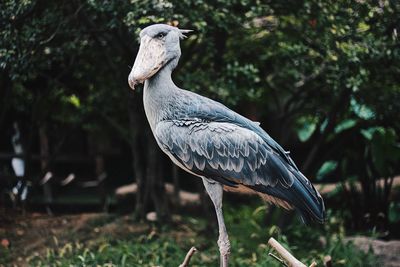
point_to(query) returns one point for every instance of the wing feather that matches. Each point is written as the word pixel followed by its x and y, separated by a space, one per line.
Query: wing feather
pixel 238 156
pixel 222 149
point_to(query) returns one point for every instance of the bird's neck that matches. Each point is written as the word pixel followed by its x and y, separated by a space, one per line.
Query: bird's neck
pixel 158 91
pixel 161 81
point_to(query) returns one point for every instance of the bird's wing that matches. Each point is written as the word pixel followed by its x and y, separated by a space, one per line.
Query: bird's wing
pixel 222 151
pixel 233 155
pixel 209 110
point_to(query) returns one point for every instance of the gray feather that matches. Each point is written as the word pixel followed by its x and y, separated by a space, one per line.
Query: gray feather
pixel 219 149
pixel 208 139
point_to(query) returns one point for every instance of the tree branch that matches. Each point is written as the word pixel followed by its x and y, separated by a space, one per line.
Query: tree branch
pixel 189 255
pixel 288 259
pixel 291 261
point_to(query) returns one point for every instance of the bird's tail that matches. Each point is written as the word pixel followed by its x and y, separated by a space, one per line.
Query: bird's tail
pixel 308 201
pixel 301 195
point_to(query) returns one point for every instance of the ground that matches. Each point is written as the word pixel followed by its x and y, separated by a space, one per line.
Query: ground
pixel 387 251
pixel 31 236
pixel 97 239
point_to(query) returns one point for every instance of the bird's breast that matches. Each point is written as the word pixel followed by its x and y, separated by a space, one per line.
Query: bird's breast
pixel 159 107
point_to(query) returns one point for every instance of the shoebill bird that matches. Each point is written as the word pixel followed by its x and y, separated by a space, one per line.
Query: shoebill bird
pixel 207 139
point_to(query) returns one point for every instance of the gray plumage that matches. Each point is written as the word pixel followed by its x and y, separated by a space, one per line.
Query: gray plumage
pixel 211 141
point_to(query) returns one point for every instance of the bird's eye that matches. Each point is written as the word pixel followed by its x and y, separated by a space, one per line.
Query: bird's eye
pixel 160 35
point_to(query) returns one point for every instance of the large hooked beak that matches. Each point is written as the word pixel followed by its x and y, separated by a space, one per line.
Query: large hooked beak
pixel 150 58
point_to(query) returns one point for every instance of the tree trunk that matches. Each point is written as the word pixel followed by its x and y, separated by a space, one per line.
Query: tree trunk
pixel 101 189
pixel 146 163
pixel 136 120
pixel 5 92
pixel 317 139
pixel 155 180
pixel 177 188
pixel 44 164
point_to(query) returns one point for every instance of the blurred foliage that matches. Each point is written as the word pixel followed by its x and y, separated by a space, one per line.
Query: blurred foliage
pixel 295 59
pixel 323 76
pixel 248 237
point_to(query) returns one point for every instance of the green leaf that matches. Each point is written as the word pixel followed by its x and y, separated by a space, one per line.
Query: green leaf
pixel 362 27
pixel 326 168
pixel 385 150
pixel 307 128
pixel 74 100
pixel 394 212
pixel 362 111
pixel 344 125
pixel 368 133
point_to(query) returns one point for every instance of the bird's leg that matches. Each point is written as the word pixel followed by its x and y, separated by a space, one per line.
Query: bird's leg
pixel 215 191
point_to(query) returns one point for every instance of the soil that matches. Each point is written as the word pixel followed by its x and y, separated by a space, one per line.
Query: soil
pixel 33 233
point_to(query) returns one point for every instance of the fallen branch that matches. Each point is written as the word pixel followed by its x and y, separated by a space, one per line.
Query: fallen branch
pixel 189 255
pixel 328 261
pixel 325 189
pixel 189 198
pixel 278 259
pixel 287 258
pixel 185 198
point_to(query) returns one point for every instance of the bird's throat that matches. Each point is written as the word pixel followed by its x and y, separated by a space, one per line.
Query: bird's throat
pixel 162 80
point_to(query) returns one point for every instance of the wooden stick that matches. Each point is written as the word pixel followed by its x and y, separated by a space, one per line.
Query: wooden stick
pixel 290 260
pixel 189 255
pixel 278 259
pixel 328 261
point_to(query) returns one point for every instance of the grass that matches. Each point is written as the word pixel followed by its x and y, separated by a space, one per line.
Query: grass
pixel 167 245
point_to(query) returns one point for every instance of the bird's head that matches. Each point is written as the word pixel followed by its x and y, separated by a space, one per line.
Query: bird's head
pixel 159 46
